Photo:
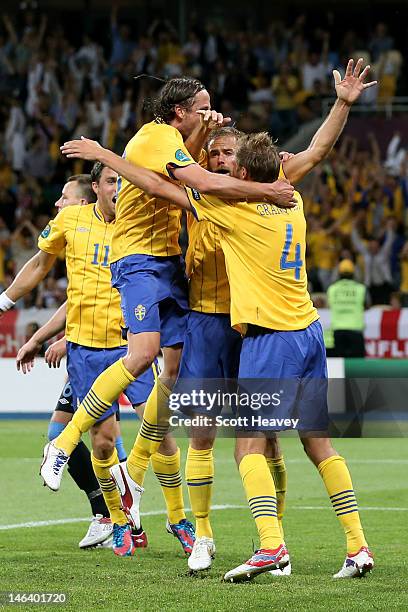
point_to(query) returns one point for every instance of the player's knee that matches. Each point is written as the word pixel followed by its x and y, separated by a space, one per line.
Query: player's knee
pixel 103 444
pixel 318 449
pixel 171 364
pixel 202 443
pixel 138 362
pixel 168 445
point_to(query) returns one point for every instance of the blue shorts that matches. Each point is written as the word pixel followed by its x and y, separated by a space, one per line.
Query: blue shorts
pixel 211 352
pixel 153 292
pixel 85 364
pixel 290 368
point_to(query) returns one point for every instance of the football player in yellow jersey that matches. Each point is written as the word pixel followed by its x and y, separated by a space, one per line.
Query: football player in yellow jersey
pixel 77 190
pixel 93 326
pixel 264 248
pixel 148 271
pixel 211 351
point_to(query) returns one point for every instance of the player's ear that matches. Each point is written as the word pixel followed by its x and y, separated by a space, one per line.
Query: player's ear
pixel 243 174
pixel 180 111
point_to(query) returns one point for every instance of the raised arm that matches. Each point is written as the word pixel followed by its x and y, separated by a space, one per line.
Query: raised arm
pixel 145 179
pixel 280 192
pixel 34 271
pixel 348 91
pixel 357 243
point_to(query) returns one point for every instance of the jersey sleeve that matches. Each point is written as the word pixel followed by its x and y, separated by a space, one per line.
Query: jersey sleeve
pixel 211 208
pixel 52 238
pixel 162 151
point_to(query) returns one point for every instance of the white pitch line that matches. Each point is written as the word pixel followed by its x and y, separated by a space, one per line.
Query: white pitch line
pixel 85 519
pixel 163 513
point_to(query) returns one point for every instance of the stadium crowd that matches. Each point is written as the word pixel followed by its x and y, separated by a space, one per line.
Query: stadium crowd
pixel 58 89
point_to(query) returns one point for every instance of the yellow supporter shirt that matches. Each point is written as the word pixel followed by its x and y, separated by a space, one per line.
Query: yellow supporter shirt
pixel 94 316
pixel 147 225
pixel 323 250
pixel 404 276
pixel 264 248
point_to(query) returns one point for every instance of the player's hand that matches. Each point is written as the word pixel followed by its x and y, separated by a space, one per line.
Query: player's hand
pixel 351 87
pixel 84 149
pixel 284 156
pixel 281 193
pixel 55 353
pixel 25 356
pixel 210 119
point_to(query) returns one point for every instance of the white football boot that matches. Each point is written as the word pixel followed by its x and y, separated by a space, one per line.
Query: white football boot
pixel 202 554
pixel 99 531
pixel 262 560
pixel 357 565
pixel 130 493
pixel 52 467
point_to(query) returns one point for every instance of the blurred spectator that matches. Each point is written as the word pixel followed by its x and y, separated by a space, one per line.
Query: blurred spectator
pixel 38 162
pixel 24 244
pixel 381 42
pixel 122 44
pixel 377 264
pixel 285 86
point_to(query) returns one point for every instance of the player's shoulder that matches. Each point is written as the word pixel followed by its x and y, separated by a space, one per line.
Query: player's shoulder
pixel 74 213
pixel 155 129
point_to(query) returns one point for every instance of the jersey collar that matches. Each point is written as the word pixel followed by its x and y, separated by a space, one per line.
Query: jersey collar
pixel 98 214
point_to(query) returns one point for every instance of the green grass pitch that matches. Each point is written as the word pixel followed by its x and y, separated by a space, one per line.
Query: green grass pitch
pixel 47 558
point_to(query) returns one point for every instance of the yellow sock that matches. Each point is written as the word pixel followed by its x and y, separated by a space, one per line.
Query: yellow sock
pixel 261 495
pixel 104 391
pixel 167 470
pixel 337 480
pixel 199 477
pixel 277 468
pixel 108 487
pixel 154 427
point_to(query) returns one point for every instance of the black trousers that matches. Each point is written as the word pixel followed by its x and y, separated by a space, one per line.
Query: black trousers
pixel 348 343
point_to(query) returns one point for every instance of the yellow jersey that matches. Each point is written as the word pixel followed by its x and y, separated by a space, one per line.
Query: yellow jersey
pixel 94 316
pixel 208 289
pixel 208 286
pixel 144 224
pixel 264 248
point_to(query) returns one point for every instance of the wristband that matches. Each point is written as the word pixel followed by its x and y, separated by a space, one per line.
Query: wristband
pixel 5 302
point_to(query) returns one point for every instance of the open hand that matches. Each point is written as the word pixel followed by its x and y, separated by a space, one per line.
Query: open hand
pixel 351 87
pixel 25 356
pixel 55 353
pixel 84 149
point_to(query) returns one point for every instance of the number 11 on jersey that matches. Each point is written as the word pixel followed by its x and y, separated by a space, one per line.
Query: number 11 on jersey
pixel 285 263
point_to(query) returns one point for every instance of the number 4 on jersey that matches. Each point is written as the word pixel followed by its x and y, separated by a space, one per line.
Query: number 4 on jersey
pixel 295 264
